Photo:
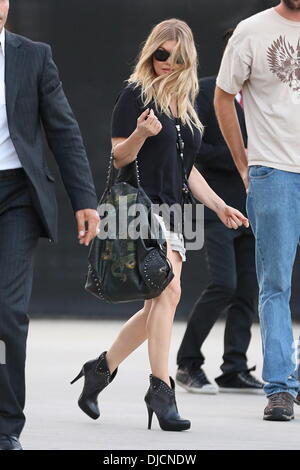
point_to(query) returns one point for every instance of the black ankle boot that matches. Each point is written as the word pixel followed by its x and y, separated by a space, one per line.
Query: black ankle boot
pixel 161 400
pixel 96 378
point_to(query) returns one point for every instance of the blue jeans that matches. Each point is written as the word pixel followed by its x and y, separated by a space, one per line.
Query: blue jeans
pixel 273 208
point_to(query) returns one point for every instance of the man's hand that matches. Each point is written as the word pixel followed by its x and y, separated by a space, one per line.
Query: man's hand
pixel 244 174
pixel 91 218
pixel 244 177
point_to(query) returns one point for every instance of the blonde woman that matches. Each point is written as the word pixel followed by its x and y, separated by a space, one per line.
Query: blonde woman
pixel 161 90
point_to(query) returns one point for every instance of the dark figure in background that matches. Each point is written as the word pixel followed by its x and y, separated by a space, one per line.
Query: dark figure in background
pixel 231 265
pixel 31 94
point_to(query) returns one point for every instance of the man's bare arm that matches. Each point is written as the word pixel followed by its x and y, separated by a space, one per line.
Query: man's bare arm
pixel 231 130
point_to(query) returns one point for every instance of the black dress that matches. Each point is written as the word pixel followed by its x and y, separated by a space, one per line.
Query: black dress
pixel 160 168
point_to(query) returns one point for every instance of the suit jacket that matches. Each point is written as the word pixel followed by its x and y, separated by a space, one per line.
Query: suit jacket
pixel 34 100
pixel 214 159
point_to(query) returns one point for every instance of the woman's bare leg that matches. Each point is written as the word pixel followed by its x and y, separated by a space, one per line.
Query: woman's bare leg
pixel 131 336
pixel 137 329
pixel 160 322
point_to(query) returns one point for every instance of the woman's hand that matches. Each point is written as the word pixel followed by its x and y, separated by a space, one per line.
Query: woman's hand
pixel 148 125
pixel 126 149
pixel 232 218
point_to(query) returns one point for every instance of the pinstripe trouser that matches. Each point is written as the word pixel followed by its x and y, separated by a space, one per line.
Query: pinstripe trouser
pixel 20 229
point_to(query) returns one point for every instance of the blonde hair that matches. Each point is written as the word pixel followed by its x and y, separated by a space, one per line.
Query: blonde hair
pixel 181 83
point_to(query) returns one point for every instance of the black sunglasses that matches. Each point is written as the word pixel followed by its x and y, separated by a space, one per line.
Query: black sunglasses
pixel 162 56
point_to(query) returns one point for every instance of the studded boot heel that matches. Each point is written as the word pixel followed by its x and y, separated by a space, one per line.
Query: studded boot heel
pixel 96 377
pixel 160 399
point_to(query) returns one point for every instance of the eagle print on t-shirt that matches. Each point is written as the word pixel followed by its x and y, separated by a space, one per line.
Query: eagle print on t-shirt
pixel 284 62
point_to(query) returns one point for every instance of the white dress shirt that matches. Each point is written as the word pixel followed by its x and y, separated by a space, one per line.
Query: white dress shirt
pixel 8 155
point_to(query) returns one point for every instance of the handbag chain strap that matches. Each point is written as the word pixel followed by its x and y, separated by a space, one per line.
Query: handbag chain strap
pixel 180 148
pixel 110 172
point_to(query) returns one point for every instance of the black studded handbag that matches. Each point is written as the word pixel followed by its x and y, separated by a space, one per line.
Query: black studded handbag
pixel 123 267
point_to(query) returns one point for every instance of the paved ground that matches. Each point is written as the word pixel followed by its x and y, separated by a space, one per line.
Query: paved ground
pixel 55 354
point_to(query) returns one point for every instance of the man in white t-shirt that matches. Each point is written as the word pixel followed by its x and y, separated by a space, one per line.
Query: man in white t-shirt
pixel 263 59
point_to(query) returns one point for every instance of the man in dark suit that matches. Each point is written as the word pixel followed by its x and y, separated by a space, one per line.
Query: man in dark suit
pixel 231 265
pixel 31 97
